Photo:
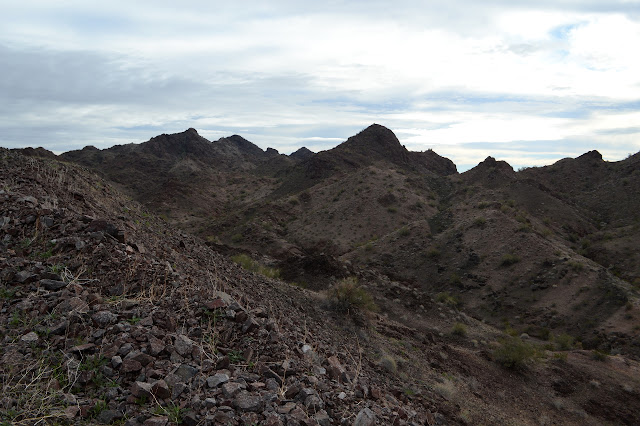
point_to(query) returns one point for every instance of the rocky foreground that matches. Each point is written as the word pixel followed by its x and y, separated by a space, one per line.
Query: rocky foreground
pixel 108 316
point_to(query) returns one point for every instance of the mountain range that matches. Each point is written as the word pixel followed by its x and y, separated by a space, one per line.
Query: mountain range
pixel 456 264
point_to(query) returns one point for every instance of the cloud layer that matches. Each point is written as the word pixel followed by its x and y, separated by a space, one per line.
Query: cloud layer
pixel 527 82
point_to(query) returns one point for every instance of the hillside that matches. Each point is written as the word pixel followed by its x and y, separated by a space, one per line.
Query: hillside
pixel 490 307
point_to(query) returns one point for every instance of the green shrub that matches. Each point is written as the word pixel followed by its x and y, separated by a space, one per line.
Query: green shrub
pixel 251 265
pixel 564 342
pixel 509 259
pixel 459 329
pixel 599 355
pixel 388 363
pixel 513 353
pixel 435 253
pixel 447 299
pixel 347 295
pixel 404 232
pixel 480 222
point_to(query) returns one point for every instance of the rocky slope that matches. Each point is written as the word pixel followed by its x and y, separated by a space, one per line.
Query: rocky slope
pixel 110 315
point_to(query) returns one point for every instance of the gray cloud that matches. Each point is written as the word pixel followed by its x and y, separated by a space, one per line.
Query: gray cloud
pixel 286 74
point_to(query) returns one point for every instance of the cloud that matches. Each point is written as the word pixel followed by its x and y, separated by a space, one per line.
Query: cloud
pixel 286 74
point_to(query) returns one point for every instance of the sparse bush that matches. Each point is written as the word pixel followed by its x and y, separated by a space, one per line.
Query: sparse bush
pixel 388 363
pixel 599 355
pixel 404 232
pixel 459 329
pixel 236 238
pixel 564 342
pixel 513 353
pixel 480 222
pixel 347 295
pixel 575 265
pixel 447 299
pixel 509 259
pixel 435 253
pixel 560 356
pixel 251 265
pixel 455 279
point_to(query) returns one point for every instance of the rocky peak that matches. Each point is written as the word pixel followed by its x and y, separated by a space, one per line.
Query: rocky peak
pixel 375 138
pixel 302 154
pixel 591 156
pixel 178 144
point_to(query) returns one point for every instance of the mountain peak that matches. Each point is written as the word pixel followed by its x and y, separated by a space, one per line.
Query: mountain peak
pixel 591 155
pixel 376 141
pixel 302 154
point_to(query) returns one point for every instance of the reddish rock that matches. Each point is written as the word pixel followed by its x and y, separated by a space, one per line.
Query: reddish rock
pixel 161 389
pixel 130 365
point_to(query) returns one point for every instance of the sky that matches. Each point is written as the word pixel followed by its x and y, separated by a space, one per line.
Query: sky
pixel 528 82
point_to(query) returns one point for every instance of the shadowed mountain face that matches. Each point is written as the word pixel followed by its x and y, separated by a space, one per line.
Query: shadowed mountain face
pixel 546 250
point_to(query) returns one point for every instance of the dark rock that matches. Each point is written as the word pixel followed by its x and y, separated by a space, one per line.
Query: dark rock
pixel 155 345
pixel 60 328
pixel 141 389
pixel 190 419
pixel 365 417
pixel 52 285
pixel 25 277
pixel 107 417
pixel 104 318
pixel 116 361
pixel 335 370
pixel 125 349
pixel 249 325
pixel 229 390
pixel 130 365
pixel 186 372
pixel 217 380
pixel 160 389
pixel 156 421
pixel 183 345
pixel 246 401
pixel 83 348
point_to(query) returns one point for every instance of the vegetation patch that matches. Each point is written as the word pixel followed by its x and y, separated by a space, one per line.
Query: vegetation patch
pixel 509 259
pixel 514 353
pixel 347 295
pixel 251 265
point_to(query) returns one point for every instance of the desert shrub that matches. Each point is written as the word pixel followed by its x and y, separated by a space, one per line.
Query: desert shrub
pixel 388 363
pixel 513 353
pixel 459 329
pixel 575 265
pixel 251 265
pixel 404 232
pixel 236 238
pixel 435 253
pixel 447 299
pixel 455 279
pixel 599 355
pixel 480 222
pixel 560 356
pixel 564 342
pixel 509 259
pixel 347 295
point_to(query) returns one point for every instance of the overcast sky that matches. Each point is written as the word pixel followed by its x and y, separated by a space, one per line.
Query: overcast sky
pixel 528 82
